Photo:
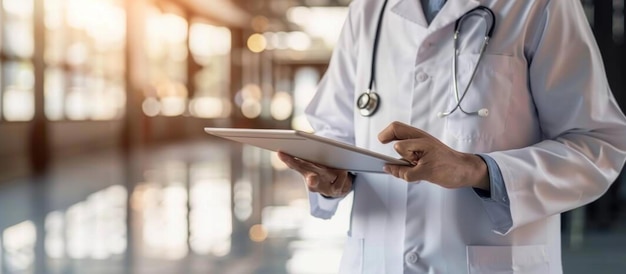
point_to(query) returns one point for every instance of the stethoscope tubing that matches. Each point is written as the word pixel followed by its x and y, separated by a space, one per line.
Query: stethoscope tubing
pixel 490 26
pixel 375 49
pixel 455 83
pixel 368 102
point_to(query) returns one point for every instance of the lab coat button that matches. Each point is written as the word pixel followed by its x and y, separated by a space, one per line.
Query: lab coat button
pixel 421 77
pixel 505 199
pixel 411 258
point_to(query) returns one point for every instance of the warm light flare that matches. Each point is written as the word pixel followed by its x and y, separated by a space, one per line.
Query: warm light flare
pixel 258 233
pixel 282 106
pixel 206 41
pixel 21 8
pixel 257 43
pixel 319 22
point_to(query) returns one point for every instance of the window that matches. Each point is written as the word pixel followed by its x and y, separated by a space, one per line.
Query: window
pixel 84 57
pixel 17 101
pixel 210 48
pixel 185 54
pixel 305 81
pixel 167 52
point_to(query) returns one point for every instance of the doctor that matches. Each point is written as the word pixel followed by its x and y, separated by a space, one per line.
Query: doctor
pixel 505 135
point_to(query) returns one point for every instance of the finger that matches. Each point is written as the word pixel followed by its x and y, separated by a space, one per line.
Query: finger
pixel 322 185
pixel 287 159
pixel 317 177
pixel 400 131
pixel 409 174
pixel 316 185
pixel 412 150
pixel 304 164
pixel 299 165
pixel 310 178
pixel 282 156
pixel 312 182
pixel 325 176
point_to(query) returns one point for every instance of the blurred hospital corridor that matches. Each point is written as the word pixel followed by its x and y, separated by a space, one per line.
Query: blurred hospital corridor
pixel 105 168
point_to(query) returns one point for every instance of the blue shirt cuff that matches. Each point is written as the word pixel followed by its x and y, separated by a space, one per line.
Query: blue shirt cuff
pixel 496 201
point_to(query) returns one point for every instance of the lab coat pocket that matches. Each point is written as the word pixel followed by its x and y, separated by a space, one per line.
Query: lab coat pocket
pixel 352 258
pixel 489 93
pixel 531 259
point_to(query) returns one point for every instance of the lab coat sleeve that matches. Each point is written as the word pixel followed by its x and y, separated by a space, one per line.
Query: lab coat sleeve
pixel 330 112
pixel 495 201
pixel 584 131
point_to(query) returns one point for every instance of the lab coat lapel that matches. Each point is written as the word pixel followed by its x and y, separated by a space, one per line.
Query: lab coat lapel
pixel 410 10
pixel 451 11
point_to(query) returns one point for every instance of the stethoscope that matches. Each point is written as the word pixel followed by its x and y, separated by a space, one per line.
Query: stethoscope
pixel 369 101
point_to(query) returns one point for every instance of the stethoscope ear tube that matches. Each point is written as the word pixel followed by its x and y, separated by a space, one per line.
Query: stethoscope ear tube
pixel 483 12
pixel 489 18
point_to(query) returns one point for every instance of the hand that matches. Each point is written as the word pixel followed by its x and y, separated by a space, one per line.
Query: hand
pixel 334 183
pixel 433 160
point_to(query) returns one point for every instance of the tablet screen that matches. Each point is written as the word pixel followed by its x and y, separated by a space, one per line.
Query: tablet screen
pixel 310 147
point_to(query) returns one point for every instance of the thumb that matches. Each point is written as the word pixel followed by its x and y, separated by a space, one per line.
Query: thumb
pixel 407 173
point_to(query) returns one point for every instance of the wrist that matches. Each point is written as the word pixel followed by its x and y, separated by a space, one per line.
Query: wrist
pixel 478 173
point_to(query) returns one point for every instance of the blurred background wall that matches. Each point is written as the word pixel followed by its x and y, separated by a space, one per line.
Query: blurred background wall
pixel 80 75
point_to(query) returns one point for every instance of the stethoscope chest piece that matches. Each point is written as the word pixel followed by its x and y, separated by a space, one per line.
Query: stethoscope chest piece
pixel 367 103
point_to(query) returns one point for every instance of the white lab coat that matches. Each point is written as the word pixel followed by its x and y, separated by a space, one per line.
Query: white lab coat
pixel 554 129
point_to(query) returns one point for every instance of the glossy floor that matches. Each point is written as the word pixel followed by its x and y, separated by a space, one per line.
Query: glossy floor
pixel 202 207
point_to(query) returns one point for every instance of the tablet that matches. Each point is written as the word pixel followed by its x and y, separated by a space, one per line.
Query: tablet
pixel 310 147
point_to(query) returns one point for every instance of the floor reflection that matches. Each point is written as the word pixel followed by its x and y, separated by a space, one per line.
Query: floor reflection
pixel 204 207
pixel 19 246
pixel 94 228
